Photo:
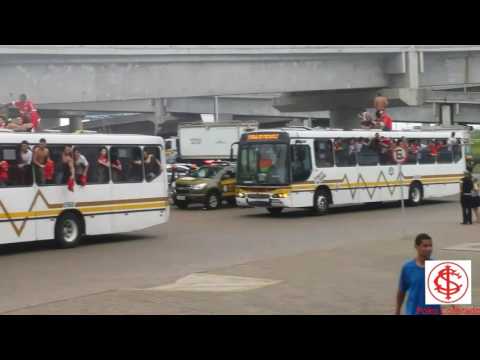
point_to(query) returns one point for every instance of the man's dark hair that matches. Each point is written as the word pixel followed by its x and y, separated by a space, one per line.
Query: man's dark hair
pixel 42 140
pixel 24 142
pixel 453 133
pixel 420 238
pixel 379 94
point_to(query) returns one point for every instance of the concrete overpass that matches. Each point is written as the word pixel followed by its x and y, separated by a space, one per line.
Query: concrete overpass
pixel 339 78
pixel 73 73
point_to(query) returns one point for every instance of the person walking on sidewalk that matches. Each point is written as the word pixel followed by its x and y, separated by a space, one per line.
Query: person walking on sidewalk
pixel 476 198
pixel 466 198
pixel 412 281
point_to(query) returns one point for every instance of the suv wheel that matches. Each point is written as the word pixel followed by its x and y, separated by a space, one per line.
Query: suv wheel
pixel 213 201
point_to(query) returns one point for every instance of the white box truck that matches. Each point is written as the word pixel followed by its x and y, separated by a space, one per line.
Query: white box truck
pixel 211 141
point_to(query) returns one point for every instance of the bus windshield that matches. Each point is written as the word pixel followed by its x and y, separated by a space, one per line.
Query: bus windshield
pixel 263 164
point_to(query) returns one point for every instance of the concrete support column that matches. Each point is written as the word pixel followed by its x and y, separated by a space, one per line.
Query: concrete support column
pixel 160 113
pixel 446 115
pixel 346 119
pixel 76 123
pixel 413 69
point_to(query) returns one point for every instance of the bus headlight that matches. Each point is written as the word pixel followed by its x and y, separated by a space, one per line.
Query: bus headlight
pixel 280 195
pixel 240 194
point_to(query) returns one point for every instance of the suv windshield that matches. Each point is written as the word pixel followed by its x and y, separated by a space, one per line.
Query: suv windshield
pixel 263 164
pixel 206 172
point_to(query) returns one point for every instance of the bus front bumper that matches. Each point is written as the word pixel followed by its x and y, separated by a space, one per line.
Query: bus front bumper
pixel 269 202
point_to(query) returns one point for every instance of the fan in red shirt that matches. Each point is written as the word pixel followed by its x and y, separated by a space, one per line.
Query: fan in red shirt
pixel 385 119
pixel 433 148
pixel 3 173
pixel 27 111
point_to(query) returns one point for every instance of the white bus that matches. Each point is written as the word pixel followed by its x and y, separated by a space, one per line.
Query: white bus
pixel 309 168
pixel 129 196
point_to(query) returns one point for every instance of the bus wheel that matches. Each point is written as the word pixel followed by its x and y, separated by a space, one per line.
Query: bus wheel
pixel 415 194
pixel 275 211
pixel 213 201
pixel 68 230
pixel 321 203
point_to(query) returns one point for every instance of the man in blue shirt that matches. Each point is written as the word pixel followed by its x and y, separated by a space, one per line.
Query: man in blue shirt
pixel 412 281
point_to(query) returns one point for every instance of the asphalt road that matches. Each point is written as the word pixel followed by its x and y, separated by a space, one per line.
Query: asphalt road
pixel 198 240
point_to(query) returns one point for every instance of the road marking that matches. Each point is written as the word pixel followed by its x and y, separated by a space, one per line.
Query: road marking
pixel 464 247
pixel 214 283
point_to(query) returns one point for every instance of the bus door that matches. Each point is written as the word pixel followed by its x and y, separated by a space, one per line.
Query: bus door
pixel 301 164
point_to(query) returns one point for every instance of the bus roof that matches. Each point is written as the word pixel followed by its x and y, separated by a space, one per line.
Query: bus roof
pixel 73 138
pixel 339 133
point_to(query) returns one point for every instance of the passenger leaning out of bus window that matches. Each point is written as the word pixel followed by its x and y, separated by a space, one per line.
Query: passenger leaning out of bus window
pixel 452 142
pixel 414 150
pixel 117 168
pixel 433 148
pixel 152 166
pixel 385 148
pixel 40 156
pixel 81 167
pixel 68 169
pixel 24 166
pixel 4 177
pixel 103 164
pixel 352 148
pixel 136 171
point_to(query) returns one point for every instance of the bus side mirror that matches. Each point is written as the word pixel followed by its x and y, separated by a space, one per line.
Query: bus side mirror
pixel 231 150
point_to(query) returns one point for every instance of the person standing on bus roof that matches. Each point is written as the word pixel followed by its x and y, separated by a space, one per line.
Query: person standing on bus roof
pixel 380 102
pixel 28 112
pixel 466 199
pixel 40 156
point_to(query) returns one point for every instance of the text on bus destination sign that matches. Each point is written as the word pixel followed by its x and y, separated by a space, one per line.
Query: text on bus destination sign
pixel 257 137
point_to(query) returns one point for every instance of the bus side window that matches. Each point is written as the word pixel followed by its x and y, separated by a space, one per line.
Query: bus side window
pixel 152 161
pixel 97 173
pixel 345 152
pixel 11 174
pixel 426 156
pixel 301 162
pixel 323 153
pixel 57 177
pixel 445 156
pixel 457 151
pixel 127 164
